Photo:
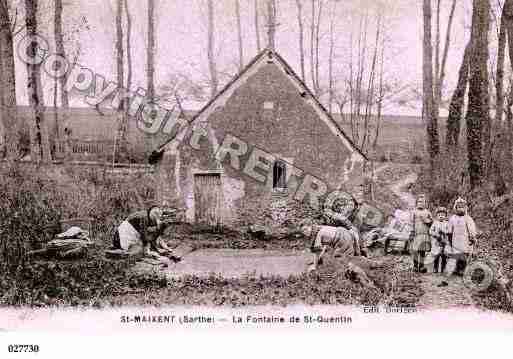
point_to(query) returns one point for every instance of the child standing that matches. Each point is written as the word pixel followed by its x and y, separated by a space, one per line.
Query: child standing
pixel 439 232
pixel 421 220
pixel 462 234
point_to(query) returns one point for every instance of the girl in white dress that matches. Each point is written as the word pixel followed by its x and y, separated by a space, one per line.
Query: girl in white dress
pixel 462 235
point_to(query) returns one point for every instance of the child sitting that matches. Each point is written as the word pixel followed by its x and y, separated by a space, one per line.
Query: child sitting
pixel 439 240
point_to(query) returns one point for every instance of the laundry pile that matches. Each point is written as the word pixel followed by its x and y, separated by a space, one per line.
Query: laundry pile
pixel 72 243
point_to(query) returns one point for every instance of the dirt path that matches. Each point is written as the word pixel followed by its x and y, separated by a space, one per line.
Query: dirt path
pixel 455 294
pixel 399 188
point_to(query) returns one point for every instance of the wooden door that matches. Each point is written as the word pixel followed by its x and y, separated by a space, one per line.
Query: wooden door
pixel 207 199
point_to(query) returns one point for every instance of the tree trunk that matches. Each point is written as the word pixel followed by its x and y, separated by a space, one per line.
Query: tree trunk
pixel 381 93
pixel 150 54
pixel 499 78
pixel 441 75
pixel 317 37
pixel 428 106
pixel 330 69
pixel 60 51
pixel 59 83
pixel 41 150
pixel 126 117
pixel 456 105
pixel 369 102
pixel 436 79
pixel 508 17
pixel 120 140
pixel 478 106
pixel 271 24
pixel 9 112
pixel 119 49
pixel 239 35
pixel 210 52
pixel 257 27
pixel 4 139
pixel 128 47
pixel 301 38
pixel 312 47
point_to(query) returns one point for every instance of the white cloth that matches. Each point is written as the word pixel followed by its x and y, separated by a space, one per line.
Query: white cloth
pixel 399 226
pixel 128 236
pixel 74 233
pixel 462 228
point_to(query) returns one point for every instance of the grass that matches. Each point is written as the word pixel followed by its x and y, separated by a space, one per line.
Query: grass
pixel 495 246
pixel 35 199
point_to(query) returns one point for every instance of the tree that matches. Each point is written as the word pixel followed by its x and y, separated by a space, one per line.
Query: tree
pixel 330 64
pixel 366 86
pixel 150 54
pixel 315 25
pixel 128 47
pixel 257 26
pixel 120 62
pixel 239 35
pixel 501 50
pixel 8 111
pixel 60 51
pixel 271 24
pixel 507 21
pixel 478 102
pixel 39 138
pixel 456 104
pixel 440 68
pixel 214 82
pixel 301 38
pixel 429 111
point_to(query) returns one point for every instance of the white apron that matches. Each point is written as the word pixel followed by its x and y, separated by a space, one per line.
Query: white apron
pixel 128 236
pixel 462 229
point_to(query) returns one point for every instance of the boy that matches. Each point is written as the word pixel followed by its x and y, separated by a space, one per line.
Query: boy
pixel 421 220
pixel 462 233
pixel 439 240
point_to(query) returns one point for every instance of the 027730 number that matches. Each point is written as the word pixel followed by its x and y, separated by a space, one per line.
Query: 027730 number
pixel 23 348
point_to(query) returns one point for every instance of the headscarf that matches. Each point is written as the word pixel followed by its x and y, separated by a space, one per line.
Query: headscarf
pixel 458 201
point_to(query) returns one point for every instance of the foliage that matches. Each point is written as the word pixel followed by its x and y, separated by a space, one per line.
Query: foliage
pixel 494 222
pixel 34 204
pixel 37 198
pixel 94 281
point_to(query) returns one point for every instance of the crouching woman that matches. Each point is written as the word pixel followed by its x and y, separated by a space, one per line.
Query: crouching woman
pixel 341 241
pixel 141 231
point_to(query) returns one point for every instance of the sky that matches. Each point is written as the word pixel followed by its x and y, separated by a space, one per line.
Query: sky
pixel 182 40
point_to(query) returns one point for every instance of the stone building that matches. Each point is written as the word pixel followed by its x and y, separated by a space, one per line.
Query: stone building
pixel 262 145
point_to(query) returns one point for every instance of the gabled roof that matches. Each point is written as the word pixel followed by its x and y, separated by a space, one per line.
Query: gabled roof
pixel 303 90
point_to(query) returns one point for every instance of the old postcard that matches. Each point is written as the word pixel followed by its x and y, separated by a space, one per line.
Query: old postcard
pixel 171 165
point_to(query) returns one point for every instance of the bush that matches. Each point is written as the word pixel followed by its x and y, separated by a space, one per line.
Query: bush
pixel 35 199
pixel 494 222
pixel 29 214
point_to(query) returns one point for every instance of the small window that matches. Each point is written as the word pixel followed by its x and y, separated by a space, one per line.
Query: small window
pixel 268 105
pixel 279 175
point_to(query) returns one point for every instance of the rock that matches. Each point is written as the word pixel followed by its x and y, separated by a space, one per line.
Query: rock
pixel 358 275
pixel 117 254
